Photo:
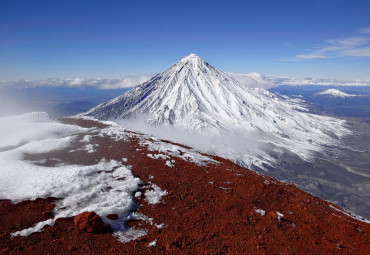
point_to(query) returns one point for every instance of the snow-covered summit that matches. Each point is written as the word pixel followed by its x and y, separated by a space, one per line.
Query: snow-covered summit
pixel 335 93
pixel 192 58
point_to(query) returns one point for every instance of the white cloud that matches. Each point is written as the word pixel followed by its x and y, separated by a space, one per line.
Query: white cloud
pixel 311 56
pixel 253 79
pixel 257 80
pixel 365 30
pixel 126 82
pixel 359 52
pixel 354 46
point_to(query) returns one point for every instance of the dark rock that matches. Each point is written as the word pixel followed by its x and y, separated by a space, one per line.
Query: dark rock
pixel 112 216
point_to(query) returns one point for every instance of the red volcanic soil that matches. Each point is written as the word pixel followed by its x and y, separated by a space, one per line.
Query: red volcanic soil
pixel 208 209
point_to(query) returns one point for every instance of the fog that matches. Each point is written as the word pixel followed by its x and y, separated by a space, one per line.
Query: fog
pixel 240 145
pixel 56 101
pixel 15 103
pixel 254 80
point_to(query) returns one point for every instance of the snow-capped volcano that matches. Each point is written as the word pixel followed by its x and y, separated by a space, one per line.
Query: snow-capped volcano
pixel 191 93
pixel 335 93
pixel 195 95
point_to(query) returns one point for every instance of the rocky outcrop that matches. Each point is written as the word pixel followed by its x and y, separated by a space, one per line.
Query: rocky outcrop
pixel 90 222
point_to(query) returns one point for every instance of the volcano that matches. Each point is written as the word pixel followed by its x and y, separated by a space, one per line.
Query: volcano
pixel 195 95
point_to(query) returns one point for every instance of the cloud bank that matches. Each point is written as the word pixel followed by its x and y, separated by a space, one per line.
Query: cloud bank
pixel 126 82
pixel 257 80
pixel 251 80
pixel 321 82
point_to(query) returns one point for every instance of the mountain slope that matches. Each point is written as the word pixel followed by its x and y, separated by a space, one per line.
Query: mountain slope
pixel 210 205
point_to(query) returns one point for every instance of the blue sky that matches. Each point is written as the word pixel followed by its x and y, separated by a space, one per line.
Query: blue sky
pixel 113 39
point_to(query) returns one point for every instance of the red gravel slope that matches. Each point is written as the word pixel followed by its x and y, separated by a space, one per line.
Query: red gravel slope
pixel 208 209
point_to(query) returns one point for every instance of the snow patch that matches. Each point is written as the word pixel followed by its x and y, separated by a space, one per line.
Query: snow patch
pixel 130 234
pixel 350 214
pixel 86 139
pixel 154 196
pixel 89 148
pixel 175 151
pixel 160 226
pixel 279 215
pixel 154 243
pixel 169 163
pixel 260 211
pixel 39 227
pixel 158 156
pixel 166 149
pixel 116 132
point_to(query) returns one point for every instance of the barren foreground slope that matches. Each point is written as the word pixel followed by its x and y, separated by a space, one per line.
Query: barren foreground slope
pixel 214 207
